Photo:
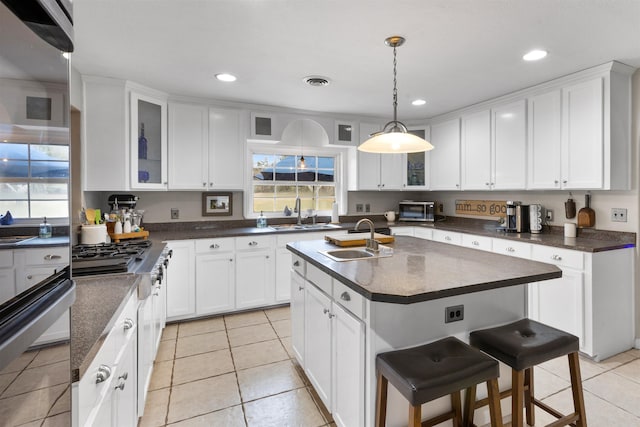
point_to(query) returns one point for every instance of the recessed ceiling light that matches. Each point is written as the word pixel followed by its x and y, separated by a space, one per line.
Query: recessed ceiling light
pixel 225 77
pixel 316 81
pixel 535 55
pixel 418 102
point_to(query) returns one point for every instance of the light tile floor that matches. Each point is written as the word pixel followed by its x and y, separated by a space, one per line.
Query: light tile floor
pixel 239 370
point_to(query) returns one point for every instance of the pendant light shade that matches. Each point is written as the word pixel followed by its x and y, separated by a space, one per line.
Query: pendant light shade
pixel 394 137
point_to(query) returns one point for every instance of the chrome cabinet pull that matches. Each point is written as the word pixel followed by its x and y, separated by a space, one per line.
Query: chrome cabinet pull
pixel 211 184
pixel 253 243
pixel 510 249
pixel 214 246
pixel 124 376
pixel 325 311
pixel 301 288
pixel 475 243
pixel 104 372
pixel 29 277
pixel 331 315
pixel 556 257
pixel 50 257
pixel 204 184
pixel 119 386
pixel 345 296
pixel 128 323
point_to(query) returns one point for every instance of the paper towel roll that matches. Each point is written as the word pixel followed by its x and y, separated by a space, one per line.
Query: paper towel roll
pixel 335 219
pixel 569 229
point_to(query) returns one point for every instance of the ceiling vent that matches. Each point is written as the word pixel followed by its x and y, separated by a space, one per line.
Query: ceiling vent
pixel 316 81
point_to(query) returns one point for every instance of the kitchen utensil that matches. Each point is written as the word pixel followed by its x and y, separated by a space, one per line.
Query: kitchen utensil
pixel 98 216
pixel 586 215
pixel 570 208
pixel 91 215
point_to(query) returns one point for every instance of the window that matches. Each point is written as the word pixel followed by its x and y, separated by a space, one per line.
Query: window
pixel 34 180
pixel 277 179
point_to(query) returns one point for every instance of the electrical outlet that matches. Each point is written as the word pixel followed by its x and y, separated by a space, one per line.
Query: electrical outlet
pixel 454 313
pixel 367 207
pixel 175 213
pixel 549 215
pixel 359 207
pixel 619 214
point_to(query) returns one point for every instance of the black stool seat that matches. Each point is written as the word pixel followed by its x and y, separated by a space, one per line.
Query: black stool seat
pixel 524 343
pixel 430 371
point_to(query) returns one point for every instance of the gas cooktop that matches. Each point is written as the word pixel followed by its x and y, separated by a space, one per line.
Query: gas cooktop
pixel 107 257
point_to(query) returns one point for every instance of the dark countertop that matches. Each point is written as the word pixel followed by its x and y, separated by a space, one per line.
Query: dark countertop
pixel 423 270
pixel 588 240
pixel 37 242
pixel 99 302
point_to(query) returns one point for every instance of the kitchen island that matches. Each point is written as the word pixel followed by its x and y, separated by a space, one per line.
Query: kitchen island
pixel 344 313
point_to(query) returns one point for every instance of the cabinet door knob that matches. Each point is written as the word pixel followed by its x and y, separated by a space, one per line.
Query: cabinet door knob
pixel 556 257
pixel 486 183
pixel 211 184
pixel 325 311
pixel 556 182
pixel 204 184
pixel 564 181
pixel 475 243
pixel 253 243
pixel 301 288
pixel 30 277
pixel 104 372
pixel 267 257
pixel 296 264
pixel 345 296
pixel 50 257
pixel 230 259
pixel 128 323
pixel 214 246
pixel 124 376
pixel 510 249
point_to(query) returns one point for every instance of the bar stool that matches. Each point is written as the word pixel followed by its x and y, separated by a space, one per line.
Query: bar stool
pixel 424 373
pixel 522 345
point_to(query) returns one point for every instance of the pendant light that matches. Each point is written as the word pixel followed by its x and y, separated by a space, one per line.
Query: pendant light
pixel 394 136
pixel 302 164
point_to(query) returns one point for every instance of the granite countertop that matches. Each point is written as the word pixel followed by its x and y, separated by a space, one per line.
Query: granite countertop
pixel 588 240
pixel 37 242
pixel 99 301
pixel 423 270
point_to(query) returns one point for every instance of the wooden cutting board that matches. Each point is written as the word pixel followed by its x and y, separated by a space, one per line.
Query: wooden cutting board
pixel 357 239
pixel 586 215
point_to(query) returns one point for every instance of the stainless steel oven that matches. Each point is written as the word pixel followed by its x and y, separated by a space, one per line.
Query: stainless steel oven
pixel 36 290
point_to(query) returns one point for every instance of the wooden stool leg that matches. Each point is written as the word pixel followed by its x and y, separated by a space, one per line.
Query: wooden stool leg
pixel 469 406
pixel 456 407
pixel 415 416
pixel 495 411
pixel 576 389
pixel 381 401
pixel 517 404
pixel 529 396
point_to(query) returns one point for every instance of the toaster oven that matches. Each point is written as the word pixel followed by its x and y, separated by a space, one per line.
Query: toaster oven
pixel 417 211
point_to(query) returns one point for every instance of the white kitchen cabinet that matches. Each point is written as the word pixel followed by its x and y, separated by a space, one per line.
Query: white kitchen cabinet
pixel 348 367
pixel 511 248
pixel 215 276
pixel 255 271
pixel 298 285
pixel 509 146
pixel 181 287
pixel 148 141
pixel 124 399
pixel 544 135
pixel 318 342
pixel 188 129
pixel 416 174
pixel 7 284
pixel 402 231
pixel 378 171
pixel 444 164
pixel 450 237
pixel 475 151
pixel 283 267
pixel 423 233
pixel 226 150
pixel 477 242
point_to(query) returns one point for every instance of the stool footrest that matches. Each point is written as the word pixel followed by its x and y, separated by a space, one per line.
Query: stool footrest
pixel 563 420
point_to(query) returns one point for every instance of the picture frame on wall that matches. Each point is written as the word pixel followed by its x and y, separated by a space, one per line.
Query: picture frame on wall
pixel 217 204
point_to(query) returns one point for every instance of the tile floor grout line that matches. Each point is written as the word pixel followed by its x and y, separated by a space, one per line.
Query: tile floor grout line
pixel 173 366
pixel 235 371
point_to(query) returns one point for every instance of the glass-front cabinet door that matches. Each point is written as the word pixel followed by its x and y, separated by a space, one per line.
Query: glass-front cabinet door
pixel 416 176
pixel 148 142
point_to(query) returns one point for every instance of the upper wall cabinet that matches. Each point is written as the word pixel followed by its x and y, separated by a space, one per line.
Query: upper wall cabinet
pixel 148 142
pixel 416 174
pixel 444 162
pixel 544 131
pixel 226 149
pixel 475 151
pixel 509 146
pixel 378 171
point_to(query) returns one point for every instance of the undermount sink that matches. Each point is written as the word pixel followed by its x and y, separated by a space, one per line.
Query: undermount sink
pixel 11 240
pixel 291 227
pixel 353 254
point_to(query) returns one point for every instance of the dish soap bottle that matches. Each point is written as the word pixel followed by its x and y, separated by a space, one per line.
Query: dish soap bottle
pixel 45 229
pixel 262 221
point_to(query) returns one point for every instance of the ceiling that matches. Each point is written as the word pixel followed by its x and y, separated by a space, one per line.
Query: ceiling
pixel 458 52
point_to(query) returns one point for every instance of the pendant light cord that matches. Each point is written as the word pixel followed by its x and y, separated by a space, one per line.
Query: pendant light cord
pixel 395 89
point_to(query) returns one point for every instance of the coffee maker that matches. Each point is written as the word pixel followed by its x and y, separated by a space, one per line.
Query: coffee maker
pixel 517 219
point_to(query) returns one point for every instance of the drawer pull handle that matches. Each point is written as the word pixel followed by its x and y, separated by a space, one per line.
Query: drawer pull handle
pixel 128 323
pixel 124 376
pixel 214 246
pixel 104 372
pixel 325 311
pixel 296 264
pixel 230 259
pixel 301 288
pixel 50 257
pixel 475 243
pixel 120 386
pixel 345 296
pixel 556 258
pixel 510 249
pixel 331 315
pixel 253 243
pixel 447 238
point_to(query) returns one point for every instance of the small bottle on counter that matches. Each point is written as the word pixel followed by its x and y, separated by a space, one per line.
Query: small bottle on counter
pixel 262 221
pixel 45 229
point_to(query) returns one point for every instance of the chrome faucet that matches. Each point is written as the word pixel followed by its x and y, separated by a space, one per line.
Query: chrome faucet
pixel 371 243
pixel 297 210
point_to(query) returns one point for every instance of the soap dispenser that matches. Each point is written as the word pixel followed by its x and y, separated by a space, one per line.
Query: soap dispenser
pixel 45 229
pixel 262 221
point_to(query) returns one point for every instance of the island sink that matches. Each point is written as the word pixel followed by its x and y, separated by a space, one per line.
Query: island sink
pixel 352 254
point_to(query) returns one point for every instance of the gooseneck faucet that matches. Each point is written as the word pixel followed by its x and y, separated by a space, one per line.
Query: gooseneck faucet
pixel 371 243
pixel 297 209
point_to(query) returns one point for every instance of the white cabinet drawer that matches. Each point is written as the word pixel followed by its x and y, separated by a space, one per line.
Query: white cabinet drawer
pixel 477 242
pixel 402 231
pixel 348 298
pixel 319 278
pixel 283 239
pixel 450 237
pixel 255 242
pixel 215 245
pixel 423 233
pixel 44 256
pixel 298 265
pixel 511 248
pixel 557 256
pixel 6 258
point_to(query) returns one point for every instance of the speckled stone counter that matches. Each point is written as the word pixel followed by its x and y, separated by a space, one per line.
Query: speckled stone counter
pixel 588 240
pixel 422 270
pixel 99 301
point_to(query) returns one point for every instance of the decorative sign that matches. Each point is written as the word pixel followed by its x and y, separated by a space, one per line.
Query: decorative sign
pixel 481 207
